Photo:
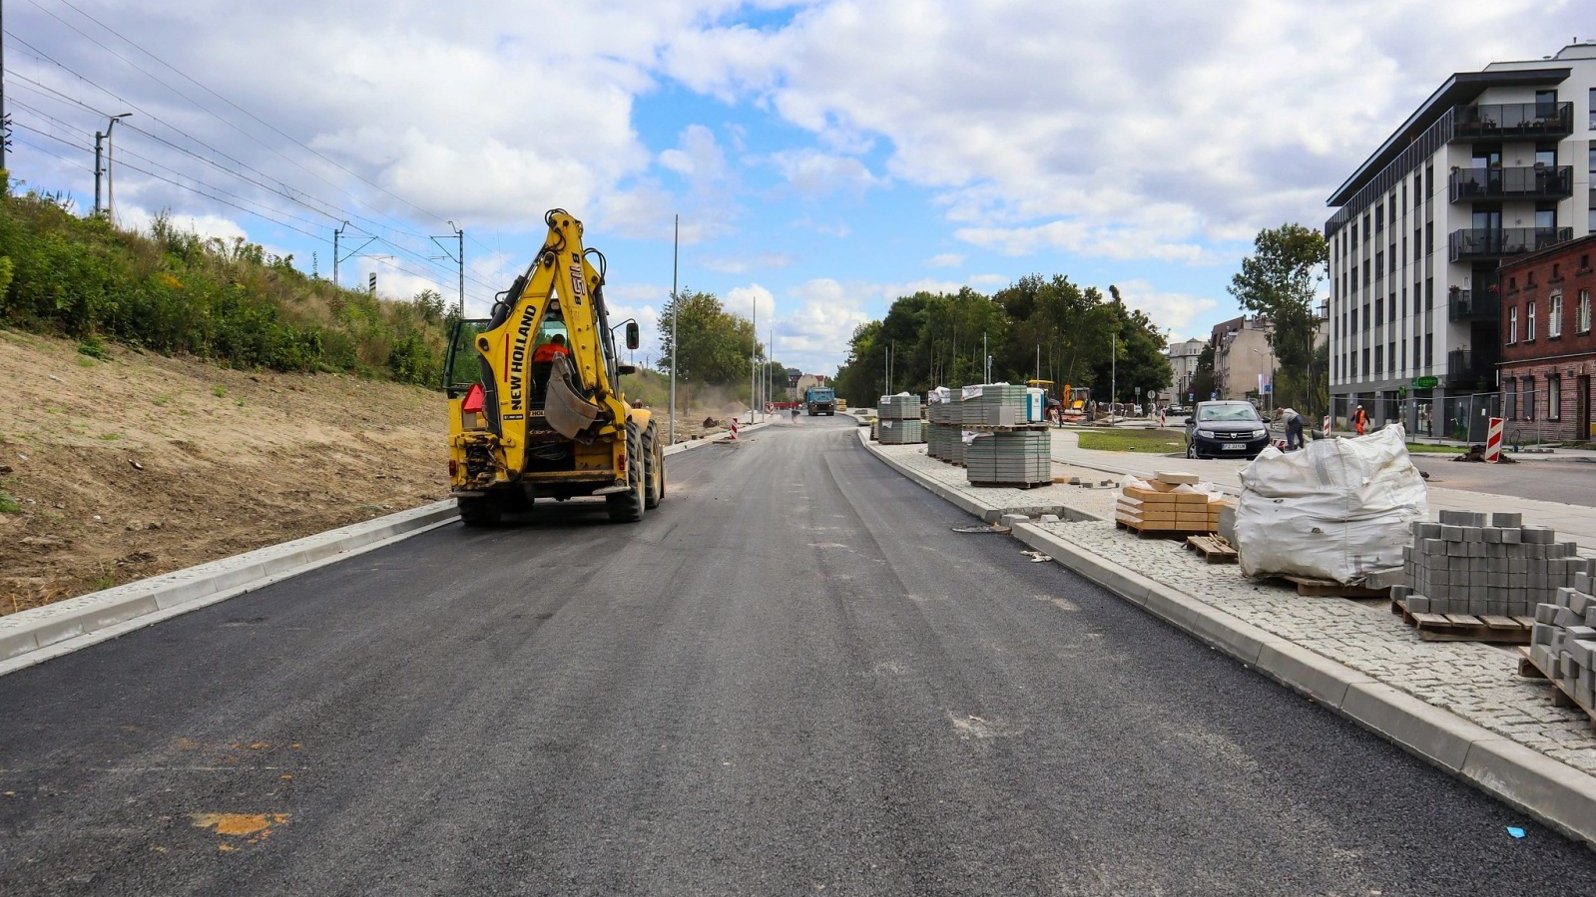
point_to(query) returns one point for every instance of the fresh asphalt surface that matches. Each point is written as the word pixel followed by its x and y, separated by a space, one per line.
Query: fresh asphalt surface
pixel 792 678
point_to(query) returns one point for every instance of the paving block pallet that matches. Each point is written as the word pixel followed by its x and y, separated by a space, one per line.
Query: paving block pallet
pixel 1466 627
pixel 1308 587
pixel 1214 549
pixel 1007 485
pixel 1148 531
pixel 1529 669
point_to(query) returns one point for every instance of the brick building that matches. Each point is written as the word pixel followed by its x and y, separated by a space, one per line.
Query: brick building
pixel 1548 349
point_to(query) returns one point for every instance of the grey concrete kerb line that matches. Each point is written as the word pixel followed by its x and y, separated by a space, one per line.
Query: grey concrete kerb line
pixel 43 633
pixel 1555 793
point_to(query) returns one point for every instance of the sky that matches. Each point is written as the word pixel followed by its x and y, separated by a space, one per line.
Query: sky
pixel 823 157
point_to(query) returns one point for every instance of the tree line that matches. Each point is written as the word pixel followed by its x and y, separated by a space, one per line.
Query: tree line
pixel 1038 327
pixel 718 348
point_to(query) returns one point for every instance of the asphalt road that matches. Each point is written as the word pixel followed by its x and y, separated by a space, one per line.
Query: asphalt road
pixel 792 678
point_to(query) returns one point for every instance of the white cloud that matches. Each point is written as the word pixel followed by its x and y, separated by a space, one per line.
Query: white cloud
pixel 744 264
pixel 945 260
pixel 754 302
pixel 1178 312
pixel 815 336
pixel 814 174
pixel 697 156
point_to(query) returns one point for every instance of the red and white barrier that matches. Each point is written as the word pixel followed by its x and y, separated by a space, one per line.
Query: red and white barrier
pixel 734 429
pixel 1493 441
pixel 1325 426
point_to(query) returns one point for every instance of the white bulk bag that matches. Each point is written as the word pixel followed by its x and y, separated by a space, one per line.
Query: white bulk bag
pixel 1338 510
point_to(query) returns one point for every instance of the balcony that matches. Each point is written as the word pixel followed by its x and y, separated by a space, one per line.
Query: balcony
pixel 1495 243
pixel 1465 367
pixel 1546 182
pixel 1507 121
pixel 1469 305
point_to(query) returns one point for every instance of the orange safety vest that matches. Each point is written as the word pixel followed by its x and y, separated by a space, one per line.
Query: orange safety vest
pixel 547 352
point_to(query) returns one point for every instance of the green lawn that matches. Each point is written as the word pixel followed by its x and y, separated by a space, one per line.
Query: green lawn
pixel 1157 442
pixel 1419 448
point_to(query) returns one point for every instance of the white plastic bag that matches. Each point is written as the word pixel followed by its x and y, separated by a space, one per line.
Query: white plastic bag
pixel 1338 510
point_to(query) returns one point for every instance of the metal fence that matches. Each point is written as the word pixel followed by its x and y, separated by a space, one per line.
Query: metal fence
pixel 1529 421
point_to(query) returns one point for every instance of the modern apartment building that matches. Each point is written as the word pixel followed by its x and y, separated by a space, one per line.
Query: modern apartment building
pixel 1183 365
pixel 1495 164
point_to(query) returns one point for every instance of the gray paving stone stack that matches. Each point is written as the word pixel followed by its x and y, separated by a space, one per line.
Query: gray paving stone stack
pixel 943 430
pixel 1018 457
pixel 1563 641
pixel 900 431
pixel 998 405
pixel 1464 565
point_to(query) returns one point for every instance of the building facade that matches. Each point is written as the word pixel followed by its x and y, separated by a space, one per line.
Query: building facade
pixel 1183 366
pixel 1548 349
pixel 1244 360
pixel 1495 164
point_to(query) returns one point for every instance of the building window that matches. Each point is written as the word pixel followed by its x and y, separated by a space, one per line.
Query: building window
pixel 1379 310
pixel 1554 397
pixel 1593 107
pixel 1529 323
pixel 1429 294
pixel 1512 325
pixel 1365 362
pixel 1554 316
pixel 1529 398
pixel 1429 349
pixel 1512 399
pixel 1415 351
pixel 1379 219
pixel 1582 314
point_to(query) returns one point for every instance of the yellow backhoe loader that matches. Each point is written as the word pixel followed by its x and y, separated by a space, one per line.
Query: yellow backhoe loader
pixel 535 403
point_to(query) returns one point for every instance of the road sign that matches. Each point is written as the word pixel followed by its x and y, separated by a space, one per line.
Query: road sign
pixel 1426 382
pixel 1191 397
pixel 1150 392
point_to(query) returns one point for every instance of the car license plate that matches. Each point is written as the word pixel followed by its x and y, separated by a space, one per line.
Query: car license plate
pixel 1235 446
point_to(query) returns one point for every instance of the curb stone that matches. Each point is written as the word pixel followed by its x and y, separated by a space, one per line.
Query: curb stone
pixel 1554 793
pixel 39 634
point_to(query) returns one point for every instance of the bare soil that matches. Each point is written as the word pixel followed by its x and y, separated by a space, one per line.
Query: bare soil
pixel 142 464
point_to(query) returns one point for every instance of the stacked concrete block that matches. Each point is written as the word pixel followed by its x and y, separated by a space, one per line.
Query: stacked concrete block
pixel 899 407
pixel 900 432
pixel 944 431
pixel 1011 457
pixel 1563 641
pixel 995 405
pixel 1465 564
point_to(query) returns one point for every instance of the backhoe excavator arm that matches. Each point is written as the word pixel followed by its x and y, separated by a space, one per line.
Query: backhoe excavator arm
pixel 559 277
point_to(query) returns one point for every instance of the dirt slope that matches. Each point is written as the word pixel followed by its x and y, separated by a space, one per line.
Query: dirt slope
pixel 141 464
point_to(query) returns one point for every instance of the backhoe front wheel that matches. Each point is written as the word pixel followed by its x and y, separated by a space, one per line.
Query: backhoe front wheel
pixel 653 467
pixel 627 507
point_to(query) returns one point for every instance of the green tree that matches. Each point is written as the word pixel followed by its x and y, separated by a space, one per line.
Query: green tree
pixel 1139 362
pixel 1279 281
pixel 714 343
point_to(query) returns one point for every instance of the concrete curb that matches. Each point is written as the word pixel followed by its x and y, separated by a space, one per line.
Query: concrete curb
pixel 43 633
pixel 1558 795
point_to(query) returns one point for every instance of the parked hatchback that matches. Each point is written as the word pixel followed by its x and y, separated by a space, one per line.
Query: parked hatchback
pixel 1225 430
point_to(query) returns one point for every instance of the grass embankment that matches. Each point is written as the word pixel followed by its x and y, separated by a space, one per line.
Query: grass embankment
pixel 178 293
pixel 1155 442
pixel 1424 448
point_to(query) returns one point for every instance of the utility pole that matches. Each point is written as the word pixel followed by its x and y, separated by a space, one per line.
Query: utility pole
pixel 753 356
pixel 104 169
pixel 5 120
pixel 458 257
pixel 1113 372
pixel 676 302
pixel 986 356
pixel 348 255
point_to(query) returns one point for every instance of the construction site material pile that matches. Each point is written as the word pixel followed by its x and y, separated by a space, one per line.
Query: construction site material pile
pixel 900 422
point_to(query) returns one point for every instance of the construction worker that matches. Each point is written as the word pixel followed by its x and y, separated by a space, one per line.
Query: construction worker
pixel 1360 421
pixel 1294 435
pixel 550 350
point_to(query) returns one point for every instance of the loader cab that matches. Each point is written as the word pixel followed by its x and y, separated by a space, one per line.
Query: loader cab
pixel 551 331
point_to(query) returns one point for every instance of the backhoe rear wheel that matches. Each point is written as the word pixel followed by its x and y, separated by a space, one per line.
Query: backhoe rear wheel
pixel 627 507
pixel 654 467
pixel 484 510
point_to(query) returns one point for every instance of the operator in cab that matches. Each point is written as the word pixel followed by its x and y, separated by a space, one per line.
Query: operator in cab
pixel 551 350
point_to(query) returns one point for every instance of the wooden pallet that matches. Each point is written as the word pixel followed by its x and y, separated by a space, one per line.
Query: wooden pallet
pixel 1466 627
pixel 1529 669
pixel 1155 533
pixel 989 484
pixel 1214 549
pixel 1000 428
pixel 1308 587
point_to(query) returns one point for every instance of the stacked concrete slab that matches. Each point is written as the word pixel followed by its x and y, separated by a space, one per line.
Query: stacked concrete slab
pixel 900 432
pixel 1563 641
pixel 995 405
pixel 943 433
pixel 1464 565
pixel 1018 457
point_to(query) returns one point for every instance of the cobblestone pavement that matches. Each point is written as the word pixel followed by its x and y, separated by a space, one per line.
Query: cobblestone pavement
pixel 1475 681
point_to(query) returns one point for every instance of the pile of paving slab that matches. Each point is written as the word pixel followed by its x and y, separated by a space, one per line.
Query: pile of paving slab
pixel 945 434
pixel 1563 641
pixel 988 428
pixel 899 420
pixel 1464 565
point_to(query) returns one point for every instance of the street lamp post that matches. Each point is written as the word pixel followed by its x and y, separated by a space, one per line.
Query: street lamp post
pixel 1269 397
pixel 104 169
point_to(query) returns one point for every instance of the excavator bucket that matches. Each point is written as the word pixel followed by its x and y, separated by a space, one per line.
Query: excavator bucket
pixel 569 413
